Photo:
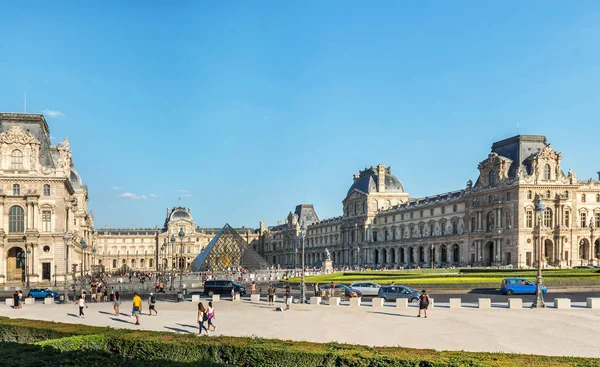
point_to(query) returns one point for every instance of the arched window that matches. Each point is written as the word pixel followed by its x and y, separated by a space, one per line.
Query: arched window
pixel 46 190
pixel 16 189
pixel 492 178
pixel 547 172
pixel 16 219
pixel 16 159
pixel 548 217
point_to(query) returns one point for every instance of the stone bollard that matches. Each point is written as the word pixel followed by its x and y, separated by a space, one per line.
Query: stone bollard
pixel 255 298
pixel 355 302
pixel 592 302
pixel 48 301
pixel 562 303
pixel 9 302
pixel 30 301
pixel 455 303
pixel 236 297
pixel 431 303
pixel 485 303
pixel 274 298
pixel 195 298
pixel 377 302
pixel 401 303
pixel 315 300
pixel 216 297
pixel 515 303
pixel 334 301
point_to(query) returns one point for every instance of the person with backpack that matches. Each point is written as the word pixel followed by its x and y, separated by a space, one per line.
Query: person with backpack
pixel 152 304
pixel 423 303
pixel 202 316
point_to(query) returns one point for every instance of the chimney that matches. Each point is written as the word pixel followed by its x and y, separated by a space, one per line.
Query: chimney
pixel 356 176
pixel 381 178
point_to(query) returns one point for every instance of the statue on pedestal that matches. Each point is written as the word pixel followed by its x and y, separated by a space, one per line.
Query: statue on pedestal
pixel 327 254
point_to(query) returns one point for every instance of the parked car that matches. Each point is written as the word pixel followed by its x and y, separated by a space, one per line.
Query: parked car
pixel 342 290
pixel 42 293
pixel 393 292
pixel 584 267
pixel 512 286
pixel 366 288
pixel 222 287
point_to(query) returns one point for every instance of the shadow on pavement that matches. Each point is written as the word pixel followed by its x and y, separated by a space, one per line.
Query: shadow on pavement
pixel 389 314
pixel 123 321
pixel 190 326
pixel 72 315
pixel 177 330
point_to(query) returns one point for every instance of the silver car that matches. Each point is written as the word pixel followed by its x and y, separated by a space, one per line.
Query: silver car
pixel 393 292
pixel 366 288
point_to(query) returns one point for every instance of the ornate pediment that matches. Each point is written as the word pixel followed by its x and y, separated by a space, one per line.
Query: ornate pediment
pixel 16 135
pixel 493 170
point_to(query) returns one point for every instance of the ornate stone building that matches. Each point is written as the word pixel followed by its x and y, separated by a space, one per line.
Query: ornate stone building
pixel 491 222
pixel 152 249
pixel 43 204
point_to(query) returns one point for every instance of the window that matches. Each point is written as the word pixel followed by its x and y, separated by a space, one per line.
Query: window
pixel 492 178
pixel 431 212
pixel 598 198
pixel 567 218
pixel 16 219
pixel 46 220
pixel 597 220
pixel 529 195
pixel 386 235
pixel 443 228
pixel 529 219
pixel 548 194
pixel 16 159
pixel 46 248
pixel 547 172
pixel 566 194
pixel 582 219
pixel 364 207
pixel 431 229
pixel 402 216
pixel 508 196
pixel 421 213
pixel 411 215
pixel 443 210
pixel 421 229
pixel 454 228
pixel 46 190
pixel 583 198
pixel 473 224
pixel 547 217
pixel 385 219
pixel 508 220
pixel 16 189
pixel 374 236
pixel 454 208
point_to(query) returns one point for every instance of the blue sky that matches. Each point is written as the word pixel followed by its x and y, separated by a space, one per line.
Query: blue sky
pixel 245 109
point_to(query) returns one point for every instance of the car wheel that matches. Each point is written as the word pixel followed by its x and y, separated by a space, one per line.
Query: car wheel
pixel 510 292
pixel 414 300
pixel 210 293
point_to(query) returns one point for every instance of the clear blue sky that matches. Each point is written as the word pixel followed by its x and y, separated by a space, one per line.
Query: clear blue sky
pixel 252 107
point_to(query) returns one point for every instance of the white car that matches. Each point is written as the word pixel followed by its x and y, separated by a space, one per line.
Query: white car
pixel 366 288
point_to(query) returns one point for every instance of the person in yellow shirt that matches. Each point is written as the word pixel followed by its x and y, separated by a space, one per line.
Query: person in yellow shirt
pixel 137 307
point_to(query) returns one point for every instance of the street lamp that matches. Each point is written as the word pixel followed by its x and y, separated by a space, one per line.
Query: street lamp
pixel 27 252
pixel 539 296
pixel 181 234
pixel 173 254
pixel 432 256
pixel 358 257
pixel 66 238
pixel 302 283
pixel 83 247
pixel 163 248
pixel 93 259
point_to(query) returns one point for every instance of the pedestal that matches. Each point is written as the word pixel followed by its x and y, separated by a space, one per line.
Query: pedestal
pixel 328 266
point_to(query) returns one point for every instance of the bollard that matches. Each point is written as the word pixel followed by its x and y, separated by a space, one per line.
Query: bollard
pixel 485 303
pixel 315 300
pixel 515 303
pixel 216 297
pixel 355 302
pixel 195 298
pixel 30 301
pixel 562 303
pixel 401 302
pixel 9 302
pixel 592 302
pixel 48 301
pixel 255 298
pixel 455 303
pixel 377 302
pixel 334 301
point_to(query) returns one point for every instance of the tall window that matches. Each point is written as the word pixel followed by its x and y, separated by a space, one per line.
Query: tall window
pixel 508 220
pixel 443 228
pixel 431 229
pixel 492 178
pixel 598 198
pixel 421 229
pixel 16 219
pixel 16 189
pixel 597 220
pixel 46 219
pixel 16 159
pixel 547 172
pixel 473 224
pixel 567 218
pixel 583 198
pixel 548 194
pixel 443 210
pixel 529 219
pixel 454 208
pixel 508 196
pixel 548 217
pixel 46 190
pixel 529 195
pixel 582 219
pixel 454 228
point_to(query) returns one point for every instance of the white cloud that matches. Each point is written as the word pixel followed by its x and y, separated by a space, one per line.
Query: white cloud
pixel 153 196
pixel 116 188
pixel 51 113
pixel 129 195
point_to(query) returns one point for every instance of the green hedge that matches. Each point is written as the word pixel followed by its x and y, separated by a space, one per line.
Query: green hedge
pixel 40 343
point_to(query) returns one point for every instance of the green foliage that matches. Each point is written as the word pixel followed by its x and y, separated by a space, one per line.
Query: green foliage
pixel 44 344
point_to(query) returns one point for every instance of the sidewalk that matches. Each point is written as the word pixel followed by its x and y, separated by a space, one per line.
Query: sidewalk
pixel 545 331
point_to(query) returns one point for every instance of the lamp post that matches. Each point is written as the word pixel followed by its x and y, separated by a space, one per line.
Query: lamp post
pixel 93 259
pixel 432 256
pixel 172 253
pixel 358 257
pixel 539 296
pixel 83 247
pixel 66 238
pixel 118 258
pixel 163 248
pixel 27 253
pixel 181 234
pixel 302 283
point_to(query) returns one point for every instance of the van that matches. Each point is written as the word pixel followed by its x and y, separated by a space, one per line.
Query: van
pixel 222 287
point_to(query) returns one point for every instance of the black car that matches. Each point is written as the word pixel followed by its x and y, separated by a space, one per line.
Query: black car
pixel 223 287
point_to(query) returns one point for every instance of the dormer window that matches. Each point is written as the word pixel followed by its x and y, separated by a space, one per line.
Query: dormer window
pixel 547 172
pixel 16 189
pixel 492 178
pixel 16 159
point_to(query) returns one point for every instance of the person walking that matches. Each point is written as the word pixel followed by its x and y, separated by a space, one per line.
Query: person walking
pixel 423 303
pixel 152 304
pixel 117 303
pixel 210 313
pixel 288 296
pixel 81 303
pixel 202 316
pixel 137 307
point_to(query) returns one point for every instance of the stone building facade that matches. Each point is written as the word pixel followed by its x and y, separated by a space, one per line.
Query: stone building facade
pixel 491 222
pixel 43 204
pixel 152 249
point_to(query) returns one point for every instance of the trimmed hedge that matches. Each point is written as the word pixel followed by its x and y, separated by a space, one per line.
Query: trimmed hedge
pixel 55 344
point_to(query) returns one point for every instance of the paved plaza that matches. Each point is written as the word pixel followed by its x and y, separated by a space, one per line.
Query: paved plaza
pixel 570 332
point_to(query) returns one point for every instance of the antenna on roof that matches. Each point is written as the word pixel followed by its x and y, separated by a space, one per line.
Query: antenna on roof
pixel 25 102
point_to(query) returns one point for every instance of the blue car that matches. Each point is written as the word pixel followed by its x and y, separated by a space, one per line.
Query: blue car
pixel 42 293
pixel 512 286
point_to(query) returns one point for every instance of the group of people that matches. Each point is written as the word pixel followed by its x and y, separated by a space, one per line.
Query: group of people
pixel 206 315
pixel 18 299
pixel 98 291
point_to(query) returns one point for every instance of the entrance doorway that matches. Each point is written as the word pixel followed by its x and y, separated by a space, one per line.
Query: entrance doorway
pixel 46 271
pixel 489 253
pixel 15 264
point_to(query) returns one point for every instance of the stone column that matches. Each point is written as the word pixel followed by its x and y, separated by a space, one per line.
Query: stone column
pixel 1 217
pixel 34 225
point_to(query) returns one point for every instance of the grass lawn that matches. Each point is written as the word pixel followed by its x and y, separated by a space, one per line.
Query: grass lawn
pixel 461 278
